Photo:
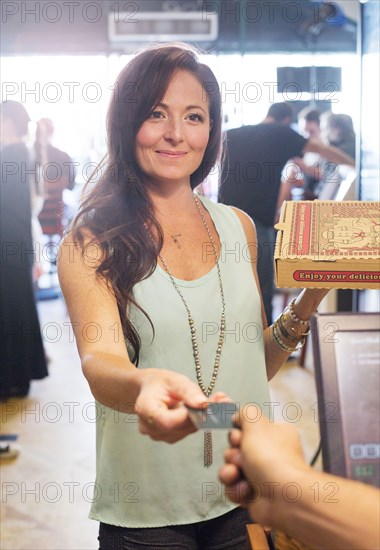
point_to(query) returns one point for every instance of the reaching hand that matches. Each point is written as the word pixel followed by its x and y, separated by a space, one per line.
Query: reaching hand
pixel 263 457
pixel 160 405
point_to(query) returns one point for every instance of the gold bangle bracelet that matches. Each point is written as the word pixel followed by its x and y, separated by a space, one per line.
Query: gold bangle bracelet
pixel 281 344
pixel 292 337
pixel 295 335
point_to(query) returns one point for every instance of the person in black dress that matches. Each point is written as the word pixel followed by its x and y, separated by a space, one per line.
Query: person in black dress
pixel 22 356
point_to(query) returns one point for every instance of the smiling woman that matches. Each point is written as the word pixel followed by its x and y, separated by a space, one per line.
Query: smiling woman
pixel 146 254
pixel 171 143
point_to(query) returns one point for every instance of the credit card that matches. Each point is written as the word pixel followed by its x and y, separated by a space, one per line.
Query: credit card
pixel 215 416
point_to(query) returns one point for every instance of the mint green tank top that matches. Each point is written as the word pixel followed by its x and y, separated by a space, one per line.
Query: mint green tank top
pixel 145 483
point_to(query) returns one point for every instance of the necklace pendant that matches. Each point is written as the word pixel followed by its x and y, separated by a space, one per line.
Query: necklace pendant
pixel 207 449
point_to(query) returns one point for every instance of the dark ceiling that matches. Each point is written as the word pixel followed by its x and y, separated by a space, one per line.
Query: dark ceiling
pixel 262 26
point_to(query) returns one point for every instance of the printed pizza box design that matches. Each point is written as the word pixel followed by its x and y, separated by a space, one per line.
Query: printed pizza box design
pixel 328 244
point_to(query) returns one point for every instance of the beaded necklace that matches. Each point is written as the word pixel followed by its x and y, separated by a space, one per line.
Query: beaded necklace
pixel 207 454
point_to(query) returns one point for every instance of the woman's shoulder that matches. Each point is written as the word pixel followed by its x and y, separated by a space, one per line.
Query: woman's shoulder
pixel 214 206
pixel 235 222
pixel 231 212
pixel 246 221
pixel 80 243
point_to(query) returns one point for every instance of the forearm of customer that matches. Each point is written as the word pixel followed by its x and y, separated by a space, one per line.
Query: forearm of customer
pixel 326 511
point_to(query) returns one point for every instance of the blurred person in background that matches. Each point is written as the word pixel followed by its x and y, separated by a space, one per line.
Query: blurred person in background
pixel 338 130
pixel 304 178
pixel 58 173
pixel 301 175
pixel 251 179
pixel 22 356
pixel 309 124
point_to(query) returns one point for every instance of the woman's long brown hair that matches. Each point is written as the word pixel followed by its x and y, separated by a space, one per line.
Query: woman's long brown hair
pixel 117 209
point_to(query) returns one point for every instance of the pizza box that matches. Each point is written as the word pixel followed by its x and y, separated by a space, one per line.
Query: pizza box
pixel 328 244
